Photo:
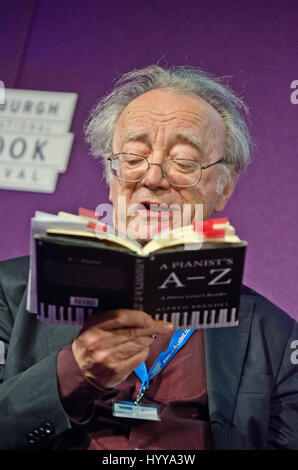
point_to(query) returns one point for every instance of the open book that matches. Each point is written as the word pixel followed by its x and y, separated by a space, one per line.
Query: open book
pixel 191 275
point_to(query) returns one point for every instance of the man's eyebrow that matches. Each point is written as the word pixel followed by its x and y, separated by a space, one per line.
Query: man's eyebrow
pixel 181 136
pixel 187 137
pixel 141 136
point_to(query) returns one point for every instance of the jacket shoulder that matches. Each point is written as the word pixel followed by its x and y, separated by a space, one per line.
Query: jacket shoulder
pixel 14 279
pixel 266 312
pixel 14 270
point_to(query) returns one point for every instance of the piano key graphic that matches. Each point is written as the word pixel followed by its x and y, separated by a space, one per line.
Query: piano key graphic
pixel 197 319
pixel 64 315
pixel 69 312
pixel 41 315
pixel 52 313
pixel 231 318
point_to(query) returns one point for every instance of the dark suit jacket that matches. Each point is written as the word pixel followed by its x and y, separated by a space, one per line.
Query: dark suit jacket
pixel 252 379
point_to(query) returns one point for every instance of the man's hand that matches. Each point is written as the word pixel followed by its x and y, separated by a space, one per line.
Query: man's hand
pixel 112 344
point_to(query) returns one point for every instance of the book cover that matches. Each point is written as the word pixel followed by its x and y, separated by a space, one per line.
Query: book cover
pixel 193 288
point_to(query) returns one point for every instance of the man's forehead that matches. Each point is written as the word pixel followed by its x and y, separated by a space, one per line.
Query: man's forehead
pixel 174 109
pixel 162 101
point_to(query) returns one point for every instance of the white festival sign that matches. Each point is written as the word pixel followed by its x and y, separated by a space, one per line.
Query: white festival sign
pixel 26 177
pixel 35 144
pixel 42 111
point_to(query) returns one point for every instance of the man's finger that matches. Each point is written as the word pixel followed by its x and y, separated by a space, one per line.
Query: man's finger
pixel 127 319
pixel 122 352
pixel 121 318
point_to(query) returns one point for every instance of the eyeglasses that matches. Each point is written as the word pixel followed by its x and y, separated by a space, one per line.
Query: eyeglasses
pixel 181 172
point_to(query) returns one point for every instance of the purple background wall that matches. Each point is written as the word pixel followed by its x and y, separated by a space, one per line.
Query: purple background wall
pixel 81 46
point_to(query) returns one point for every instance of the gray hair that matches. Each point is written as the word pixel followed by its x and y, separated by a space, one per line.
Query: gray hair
pixel 101 124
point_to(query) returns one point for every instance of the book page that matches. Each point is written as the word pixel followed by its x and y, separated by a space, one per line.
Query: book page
pixel 132 245
pixel 188 236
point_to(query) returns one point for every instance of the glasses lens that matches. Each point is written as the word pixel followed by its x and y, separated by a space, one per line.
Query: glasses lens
pixel 182 171
pixel 129 167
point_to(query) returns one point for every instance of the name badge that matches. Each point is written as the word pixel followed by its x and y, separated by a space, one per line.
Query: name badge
pixel 127 409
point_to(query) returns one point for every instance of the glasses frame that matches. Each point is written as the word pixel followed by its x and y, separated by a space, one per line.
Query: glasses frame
pixel 203 167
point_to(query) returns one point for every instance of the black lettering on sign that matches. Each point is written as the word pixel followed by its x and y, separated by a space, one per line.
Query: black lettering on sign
pixel 40 107
pixel 27 106
pixel 17 147
pixel 53 108
pixel 15 106
pixel 37 152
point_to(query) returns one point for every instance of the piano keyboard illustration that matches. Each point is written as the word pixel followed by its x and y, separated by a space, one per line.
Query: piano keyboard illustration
pixel 214 318
pixel 200 319
pixel 64 315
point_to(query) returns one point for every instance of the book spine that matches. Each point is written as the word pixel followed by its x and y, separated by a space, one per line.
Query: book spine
pixel 138 296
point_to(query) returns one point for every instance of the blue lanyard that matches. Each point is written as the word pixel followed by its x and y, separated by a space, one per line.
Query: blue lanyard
pixel 178 340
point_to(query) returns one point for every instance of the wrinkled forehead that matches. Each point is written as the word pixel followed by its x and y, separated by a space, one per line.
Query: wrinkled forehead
pixel 167 104
pixel 176 112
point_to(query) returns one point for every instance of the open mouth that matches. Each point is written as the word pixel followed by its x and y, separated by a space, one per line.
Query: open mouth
pixel 154 207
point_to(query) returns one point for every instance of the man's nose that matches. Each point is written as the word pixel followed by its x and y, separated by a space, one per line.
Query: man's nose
pixel 154 177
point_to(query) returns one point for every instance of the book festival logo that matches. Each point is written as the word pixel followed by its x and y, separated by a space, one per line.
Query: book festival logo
pixel 35 142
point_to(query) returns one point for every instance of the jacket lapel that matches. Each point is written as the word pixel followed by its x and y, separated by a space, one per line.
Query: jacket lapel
pixel 225 350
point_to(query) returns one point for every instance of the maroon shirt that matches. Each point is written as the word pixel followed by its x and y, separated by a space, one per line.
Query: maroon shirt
pixel 179 390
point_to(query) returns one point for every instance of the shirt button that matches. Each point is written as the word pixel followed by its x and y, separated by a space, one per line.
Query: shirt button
pixel 30 438
pixel 48 428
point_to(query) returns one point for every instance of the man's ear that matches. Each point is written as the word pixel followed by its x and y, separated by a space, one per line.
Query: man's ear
pixel 225 196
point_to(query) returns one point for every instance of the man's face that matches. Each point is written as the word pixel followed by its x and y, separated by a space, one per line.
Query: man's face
pixel 159 125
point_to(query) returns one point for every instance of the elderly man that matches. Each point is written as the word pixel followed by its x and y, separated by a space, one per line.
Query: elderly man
pixel 226 388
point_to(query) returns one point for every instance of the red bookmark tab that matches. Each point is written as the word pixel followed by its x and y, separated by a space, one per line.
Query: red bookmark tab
pixel 209 229
pixel 97 227
pixel 214 233
pixel 87 213
pixel 218 221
